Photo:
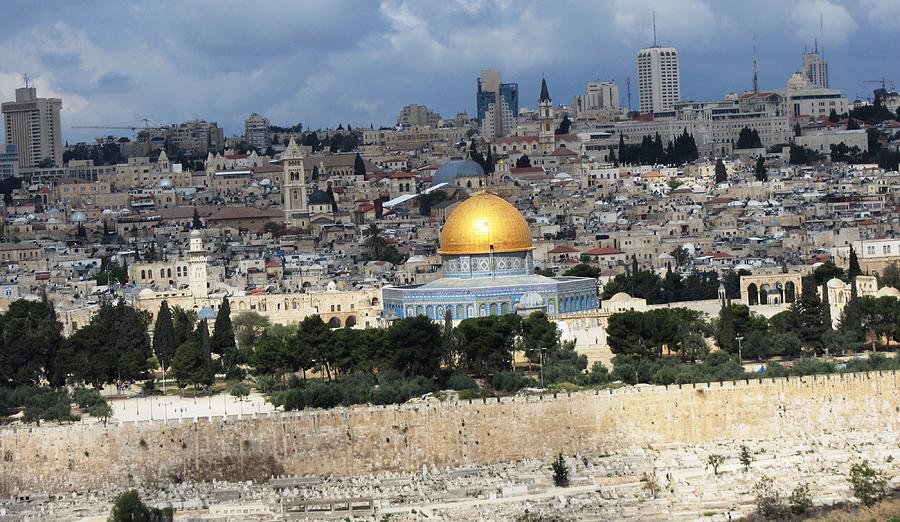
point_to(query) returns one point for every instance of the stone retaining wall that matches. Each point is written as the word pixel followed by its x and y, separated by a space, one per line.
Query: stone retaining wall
pixel 348 441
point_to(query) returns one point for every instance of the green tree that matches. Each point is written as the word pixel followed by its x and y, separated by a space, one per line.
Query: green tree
pixel 721 172
pixel 523 161
pixel 714 461
pixel 359 166
pixel 760 169
pixel 222 342
pixel 539 335
pixel 810 314
pixel 564 125
pixel 890 276
pixel 196 224
pixel 560 472
pixel 192 366
pixel 248 328
pixel 486 344
pixel 828 271
pixel 30 342
pixel 854 269
pixel 583 270
pixel 413 346
pixel 314 339
pixel 271 355
pixel 164 341
pixel 184 321
pixel 128 507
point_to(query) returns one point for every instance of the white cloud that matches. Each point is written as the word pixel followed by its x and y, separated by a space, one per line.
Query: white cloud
pixel 883 13
pixel 837 22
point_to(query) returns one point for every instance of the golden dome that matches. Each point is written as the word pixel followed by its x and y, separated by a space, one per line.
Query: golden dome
pixel 482 221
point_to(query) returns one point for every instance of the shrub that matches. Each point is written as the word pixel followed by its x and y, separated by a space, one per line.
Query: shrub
pixel 267 384
pixel 511 382
pixel 714 461
pixel 746 457
pixel 769 503
pixel 868 484
pixel 128 507
pixel 86 397
pixel 356 388
pixel 800 501
pixel 461 381
pixel 239 390
pixel 560 472
pixel 49 404
pixel 809 366
pixel 599 374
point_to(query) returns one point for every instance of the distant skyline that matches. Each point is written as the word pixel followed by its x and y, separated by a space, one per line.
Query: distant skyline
pixel 359 62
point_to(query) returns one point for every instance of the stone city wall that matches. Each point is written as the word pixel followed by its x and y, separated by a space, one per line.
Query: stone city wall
pixel 348 441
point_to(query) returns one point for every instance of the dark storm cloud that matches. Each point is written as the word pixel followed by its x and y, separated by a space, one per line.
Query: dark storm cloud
pixel 359 61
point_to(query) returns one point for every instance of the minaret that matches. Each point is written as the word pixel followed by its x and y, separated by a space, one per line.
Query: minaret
pixel 197 276
pixel 546 136
pixel 296 211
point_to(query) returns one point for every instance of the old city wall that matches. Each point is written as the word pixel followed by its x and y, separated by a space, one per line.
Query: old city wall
pixel 350 441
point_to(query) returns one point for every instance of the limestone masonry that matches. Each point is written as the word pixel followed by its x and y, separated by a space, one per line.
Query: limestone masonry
pixel 348 441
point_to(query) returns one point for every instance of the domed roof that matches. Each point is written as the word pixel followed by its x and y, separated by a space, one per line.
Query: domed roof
pixel 78 217
pixel 319 197
pixel 484 221
pixel 165 183
pixel 206 313
pixel 530 300
pixel 456 168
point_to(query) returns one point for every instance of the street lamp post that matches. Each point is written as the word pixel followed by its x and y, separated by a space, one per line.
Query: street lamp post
pixel 739 339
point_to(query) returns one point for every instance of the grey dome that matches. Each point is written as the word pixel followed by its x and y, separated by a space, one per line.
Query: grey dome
pixel 78 217
pixel 206 313
pixel 165 183
pixel 530 301
pixel 319 197
pixel 456 168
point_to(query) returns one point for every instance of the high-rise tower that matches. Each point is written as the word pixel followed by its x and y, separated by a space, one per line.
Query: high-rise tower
pixel 33 126
pixel 497 104
pixel 659 86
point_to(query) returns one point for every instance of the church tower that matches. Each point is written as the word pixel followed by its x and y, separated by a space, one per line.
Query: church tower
pixel 197 277
pixel 296 209
pixel 546 137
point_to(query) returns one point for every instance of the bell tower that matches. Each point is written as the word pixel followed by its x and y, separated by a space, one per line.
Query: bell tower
pixel 197 276
pixel 296 209
pixel 546 137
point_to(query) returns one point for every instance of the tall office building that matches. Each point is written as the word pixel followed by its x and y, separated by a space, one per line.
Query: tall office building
pixel 9 161
pixel 33 126
pixel 815 68
pixel 414 115
pixel 600 101
pixel 497 104
pixel 659 87
pixel 256 132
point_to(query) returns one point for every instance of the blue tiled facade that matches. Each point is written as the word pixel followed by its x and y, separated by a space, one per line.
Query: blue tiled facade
pixel 485 284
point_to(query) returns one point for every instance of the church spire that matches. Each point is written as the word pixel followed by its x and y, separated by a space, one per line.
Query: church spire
pixel 545 94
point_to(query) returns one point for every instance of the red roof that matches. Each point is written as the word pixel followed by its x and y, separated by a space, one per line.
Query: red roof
pixel 563 249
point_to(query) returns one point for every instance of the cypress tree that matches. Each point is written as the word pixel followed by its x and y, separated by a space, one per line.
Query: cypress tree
pixel 359 166
pixel 164 341
pixel 721 172
pixel 222 342
pixel 854 269
pixel 810 315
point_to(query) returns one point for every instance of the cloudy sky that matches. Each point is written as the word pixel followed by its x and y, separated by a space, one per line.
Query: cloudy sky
pixel 359 61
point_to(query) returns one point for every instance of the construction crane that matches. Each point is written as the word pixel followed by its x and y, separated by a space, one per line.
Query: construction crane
pixel 884 83
pixel 132 128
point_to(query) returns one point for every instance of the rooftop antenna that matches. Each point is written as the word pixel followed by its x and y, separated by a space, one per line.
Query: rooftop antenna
pixel 628 88
pixel 755 76
pixel 821 31
pixel 26 80
pixel 654 27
